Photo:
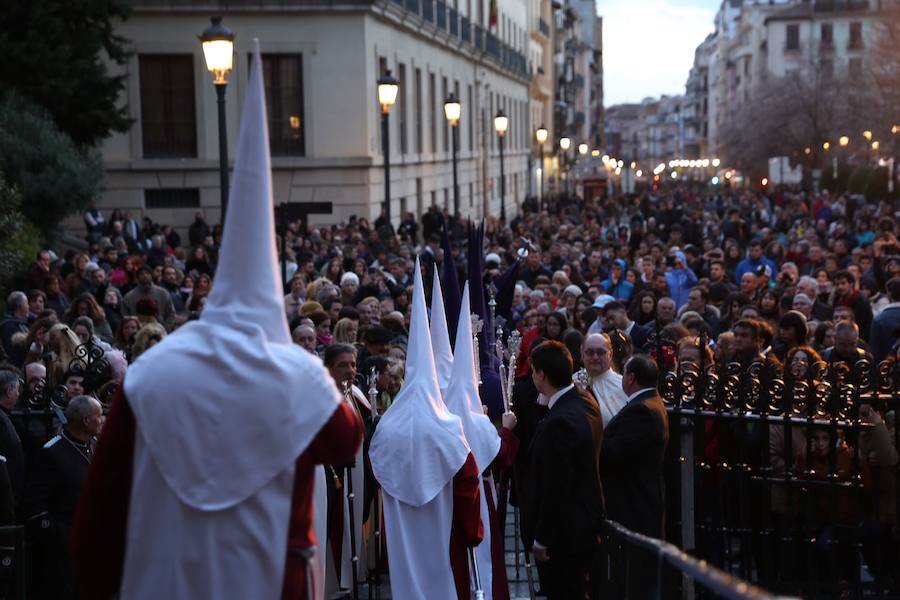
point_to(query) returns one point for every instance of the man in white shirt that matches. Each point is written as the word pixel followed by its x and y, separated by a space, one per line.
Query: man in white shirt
pixel 606 384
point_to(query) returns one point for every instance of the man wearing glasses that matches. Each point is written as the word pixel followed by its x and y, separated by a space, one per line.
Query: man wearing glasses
pixel 605 384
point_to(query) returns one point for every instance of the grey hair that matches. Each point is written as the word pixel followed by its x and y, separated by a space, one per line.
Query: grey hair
pixel 80 407
pixel 8 379
pixel 16 300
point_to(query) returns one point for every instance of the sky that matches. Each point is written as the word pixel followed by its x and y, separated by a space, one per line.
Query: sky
pixel 648 45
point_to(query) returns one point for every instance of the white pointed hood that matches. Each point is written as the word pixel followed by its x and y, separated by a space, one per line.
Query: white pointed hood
pixel 419 445
pixel 440 336
pixel 462 395
pixel 227 402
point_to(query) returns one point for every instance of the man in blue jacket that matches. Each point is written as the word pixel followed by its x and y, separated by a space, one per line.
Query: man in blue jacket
pixel 754 260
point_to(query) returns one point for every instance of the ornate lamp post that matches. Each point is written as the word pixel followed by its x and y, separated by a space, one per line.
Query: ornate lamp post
pixel 501 124
pixel 218 50
pixel 540 135
pixel 453 111
pixel 388 87
pixel 564 145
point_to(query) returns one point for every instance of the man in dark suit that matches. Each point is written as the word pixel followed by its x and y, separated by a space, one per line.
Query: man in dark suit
pixel 563 510
pixel 634 444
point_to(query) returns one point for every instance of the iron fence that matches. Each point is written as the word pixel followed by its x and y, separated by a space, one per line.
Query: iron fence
pixel 787 478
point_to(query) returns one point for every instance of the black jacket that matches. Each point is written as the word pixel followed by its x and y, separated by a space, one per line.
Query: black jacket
pixel 11 449
pixel 563 508
pixel 631 464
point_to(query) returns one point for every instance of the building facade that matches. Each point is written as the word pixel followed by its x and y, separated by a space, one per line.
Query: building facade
pixel 321 62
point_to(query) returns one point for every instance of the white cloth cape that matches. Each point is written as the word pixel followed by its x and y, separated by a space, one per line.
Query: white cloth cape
pixel 419 445
pixel 608 390
pixel 463 401
pixel 224 408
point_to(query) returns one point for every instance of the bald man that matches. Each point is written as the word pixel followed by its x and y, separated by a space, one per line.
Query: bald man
pixel 305 337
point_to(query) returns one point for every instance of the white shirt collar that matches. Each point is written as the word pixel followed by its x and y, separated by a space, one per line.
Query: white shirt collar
pixel 637 393
pixel 559 395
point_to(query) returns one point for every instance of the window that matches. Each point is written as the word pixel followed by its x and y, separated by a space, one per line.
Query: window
pixel 792 41
pixel 419 148
pixel 401 104
pixel 432 120
pixel 440 109
pixel 856 41
pixel 827 35
pixel 855 68
pixel 471 100
pixel 172 198
pixel 283 77
pixel 168 114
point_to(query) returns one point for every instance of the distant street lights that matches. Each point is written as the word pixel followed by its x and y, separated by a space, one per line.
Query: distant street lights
pixel 387 95
pixel 540 135
pixel 453 111
pixel 218 50
pixel 501 124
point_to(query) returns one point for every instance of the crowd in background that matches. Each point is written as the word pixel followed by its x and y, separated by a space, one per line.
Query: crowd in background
pixel 732 274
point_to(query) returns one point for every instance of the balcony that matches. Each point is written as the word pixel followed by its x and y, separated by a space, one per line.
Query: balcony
pixel 492 46
pixel 544 28
pixel 428 10
pixel 479 37
pixel 441 15
pixel 454 23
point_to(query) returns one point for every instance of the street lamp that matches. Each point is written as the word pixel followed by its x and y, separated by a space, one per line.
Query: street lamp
pixel 218 50
pixel 867 134
pixel 453 110
pixel 826 146
pixel 540 135
pixel 582 149
pixel 387 95
pixel 844 140
pixel 564 145
pixel 501 124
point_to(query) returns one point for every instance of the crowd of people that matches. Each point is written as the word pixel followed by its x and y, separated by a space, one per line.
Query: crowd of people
pixel 735 276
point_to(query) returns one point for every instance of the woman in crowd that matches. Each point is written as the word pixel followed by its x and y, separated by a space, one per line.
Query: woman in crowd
pixel 128 327
pixel 768 306
pixel 643 307
pixel 555 327
pixel 346 331
pixel 86 306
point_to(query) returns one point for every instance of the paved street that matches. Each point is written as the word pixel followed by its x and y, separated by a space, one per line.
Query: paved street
pixel 518 584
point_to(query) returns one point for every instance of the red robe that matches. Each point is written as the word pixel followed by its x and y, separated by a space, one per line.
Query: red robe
pixel 467 530
pixel 100 526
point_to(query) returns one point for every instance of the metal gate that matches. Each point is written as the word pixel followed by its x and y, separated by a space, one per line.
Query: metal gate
pixel 789 483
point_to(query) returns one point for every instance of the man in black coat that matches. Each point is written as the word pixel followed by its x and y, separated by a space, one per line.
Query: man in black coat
pixel 563 510
pixel 10 443
pixel 634 444
pixel 52 494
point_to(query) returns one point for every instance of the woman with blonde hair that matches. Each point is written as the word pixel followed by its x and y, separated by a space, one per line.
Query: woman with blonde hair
pixel 148 336
pixel 346 331
pixel 62 342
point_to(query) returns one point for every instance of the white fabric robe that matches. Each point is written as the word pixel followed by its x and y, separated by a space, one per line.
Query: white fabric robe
pixel 418 547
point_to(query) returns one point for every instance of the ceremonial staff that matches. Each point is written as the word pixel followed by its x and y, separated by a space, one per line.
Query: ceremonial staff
pixel 376 512
pixel 479 593
pixel 354 558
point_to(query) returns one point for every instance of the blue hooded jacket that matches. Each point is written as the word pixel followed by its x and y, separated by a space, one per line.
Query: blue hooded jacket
pixel 623 289
pixel 681 281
